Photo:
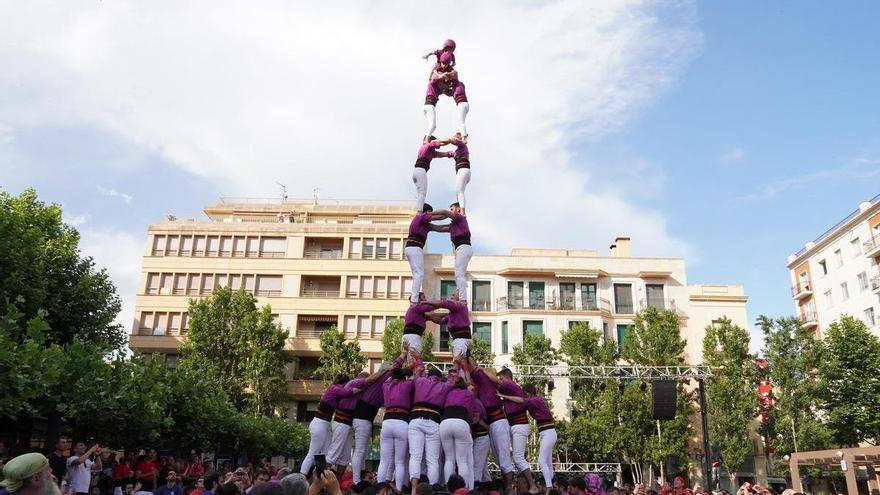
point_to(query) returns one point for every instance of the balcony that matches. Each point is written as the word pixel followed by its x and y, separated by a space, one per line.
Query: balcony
pixel 809 318
pixel 621 308
pixel 504 304
pixel 321 287
pixel 323 249
pixel 659 304
pixel 872 247
pixel 875 283
pixel 802 290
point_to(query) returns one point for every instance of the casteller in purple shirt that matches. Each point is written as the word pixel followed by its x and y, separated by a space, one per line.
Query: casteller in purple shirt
pixel 428 151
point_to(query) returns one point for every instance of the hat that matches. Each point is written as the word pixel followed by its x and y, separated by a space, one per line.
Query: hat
pixel 21 468
pixel 445 57
pixel 449 44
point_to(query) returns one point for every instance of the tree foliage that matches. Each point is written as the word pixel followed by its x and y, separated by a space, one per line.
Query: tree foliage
pixel 43 273
pixel 482 351
pixel 392 342
pixel 732 397
pixel 849 375
pixel 654 339
pixel 535 350
pixel 339 356
pixel 239 348
pixel 794 360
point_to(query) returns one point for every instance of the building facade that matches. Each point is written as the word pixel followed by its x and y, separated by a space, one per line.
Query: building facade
pixel 326 264
pixel 837 273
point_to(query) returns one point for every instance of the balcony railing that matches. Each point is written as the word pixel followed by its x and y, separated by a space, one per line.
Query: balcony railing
pixel 504 304
pixel 872 246
pixel 875 282
pixel 809 317
pixel 309 333
pixel 268 292
pixel 322 254
pixel 481 305
pixel 319 293
pixel 624 308
pixel 801 290
pixel 660 304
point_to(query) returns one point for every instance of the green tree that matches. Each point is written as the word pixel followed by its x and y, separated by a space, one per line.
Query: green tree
pixel 732 400
pixel 339 356
pixel 583 345
pixel 794 358
pixel 44 273
pixel 654 339
pixel 535 350
pixel 482 351
pixel 239 348
pixel 849 375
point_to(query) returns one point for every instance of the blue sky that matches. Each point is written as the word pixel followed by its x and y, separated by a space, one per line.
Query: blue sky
pixel 728 133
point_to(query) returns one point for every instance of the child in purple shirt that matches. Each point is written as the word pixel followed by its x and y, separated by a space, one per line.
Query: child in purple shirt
pixel 460 235
pixel 444 81
pixel 414 250
pixel 448 47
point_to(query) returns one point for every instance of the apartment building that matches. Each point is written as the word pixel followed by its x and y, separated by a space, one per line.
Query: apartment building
pixel 837 273
pixel 326 263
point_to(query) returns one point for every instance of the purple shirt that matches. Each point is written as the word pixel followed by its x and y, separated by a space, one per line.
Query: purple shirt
pixel 420 225
pixel 479 410
pixel 398 393
pixel 437 54
pixel 458 314
pixel 461 397
pixel 415 315
pixel 428 151
pixel 373 395
pixel 538 408
pixel 348 403
pixel 432 390
pixel 334 394
pixel 487 393
pixel 511 408
pixel 461 150
pixel 459 228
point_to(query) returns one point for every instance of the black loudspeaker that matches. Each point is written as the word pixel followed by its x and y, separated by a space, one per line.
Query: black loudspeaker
pixel 663 398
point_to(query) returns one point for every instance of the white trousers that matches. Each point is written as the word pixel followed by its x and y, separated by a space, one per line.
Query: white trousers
pixel 481 453
pixel 462 179
pixel 458 447
pixel 420 179
pixel 519 435
pixel 462 108
pixel 430 112
pixel 393 450
pixel 412 342
pixel 363 433
pixel 339 452
pixel 416 258
pixel 424 443
pixel 463 256
pixel 460 348
pixel 499 435
pixel 545 453
pixel 319 440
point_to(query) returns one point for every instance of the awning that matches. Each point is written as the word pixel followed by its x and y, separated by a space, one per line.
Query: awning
pixel 319 318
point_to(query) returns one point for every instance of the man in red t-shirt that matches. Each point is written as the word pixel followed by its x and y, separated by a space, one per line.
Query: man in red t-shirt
pixel 124 471
pixel 147 470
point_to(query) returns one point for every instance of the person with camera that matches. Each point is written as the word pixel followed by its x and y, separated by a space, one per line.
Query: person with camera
pixel 80 467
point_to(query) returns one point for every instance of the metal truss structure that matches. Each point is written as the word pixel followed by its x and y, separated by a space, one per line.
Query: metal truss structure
pixel 621 373
pixel 571 467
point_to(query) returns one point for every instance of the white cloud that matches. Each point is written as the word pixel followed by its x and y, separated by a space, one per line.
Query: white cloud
pixel 7 134
pixel 329 95
pixel 859 168
pixel 113 193
pixel 733 155
pixel 75 220
pixel 120 253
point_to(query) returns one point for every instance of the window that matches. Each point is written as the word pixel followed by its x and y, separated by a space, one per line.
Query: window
pixel 572 323
pixel 588 297
pixel 186 247
pixel 268 285
pixel 838 258
pixel 444 338
pixel 623 299
pixel 829 301
pixel 823 267
pixel 382 249
pixel 305 411
pixel 566 296
pixel 515 295
pixel 622 331
pixel 534 327
pixel 158 245
pixel 863 281
pixel 368 247
pixel 869 317
pixel 173 244
pixel 447 287
pixel 483 331
pixel 856 247
pixel 173 322
pixel 366 286
pixel 654 293
pixel 354 247
pixel 395 287
pixel 396 249
pixel 272 247
pixel 844 291
pixel 481 295
pixel 199 246
pixel 153 283
pixel 536 295
pixel 606 334
pixel 504 337
pixel 381 284
pixel 159 324
pixel 226 246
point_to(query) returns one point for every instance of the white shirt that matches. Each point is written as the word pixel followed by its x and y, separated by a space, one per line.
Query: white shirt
pixel 79 477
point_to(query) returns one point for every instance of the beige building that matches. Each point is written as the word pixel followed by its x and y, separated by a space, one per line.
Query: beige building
pixel 326 264
pixel 837 273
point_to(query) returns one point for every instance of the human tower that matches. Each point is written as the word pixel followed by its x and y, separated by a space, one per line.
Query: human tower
pixel 429 417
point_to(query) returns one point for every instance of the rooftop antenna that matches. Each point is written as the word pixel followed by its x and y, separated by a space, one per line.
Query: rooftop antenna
pixel 283 191
pixel 316 193
pixel 283 199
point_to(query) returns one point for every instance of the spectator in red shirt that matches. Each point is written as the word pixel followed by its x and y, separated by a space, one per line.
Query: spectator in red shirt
pixel 124 471
pixel 147 471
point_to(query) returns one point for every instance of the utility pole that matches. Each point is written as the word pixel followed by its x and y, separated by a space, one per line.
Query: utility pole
pixel 704 419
